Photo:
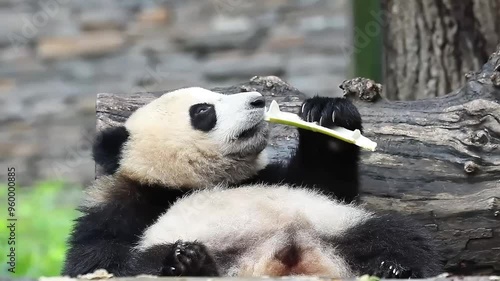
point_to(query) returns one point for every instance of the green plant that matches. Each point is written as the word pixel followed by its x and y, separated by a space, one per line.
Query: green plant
pixel 45 214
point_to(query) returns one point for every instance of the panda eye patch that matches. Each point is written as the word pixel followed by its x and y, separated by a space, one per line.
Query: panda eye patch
pixel 203 116
pixel 202 109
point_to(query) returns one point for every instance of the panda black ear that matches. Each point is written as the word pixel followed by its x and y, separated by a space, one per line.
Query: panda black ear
pixel 107 148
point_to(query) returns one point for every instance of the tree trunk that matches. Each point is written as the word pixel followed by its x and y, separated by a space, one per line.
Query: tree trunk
pixel 437 159
pixel 431 44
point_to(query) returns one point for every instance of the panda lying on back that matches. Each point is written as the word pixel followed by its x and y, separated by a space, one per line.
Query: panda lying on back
pixel 276 230
pixel 195 139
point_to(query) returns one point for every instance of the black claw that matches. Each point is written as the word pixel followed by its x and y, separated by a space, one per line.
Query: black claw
pixel 189 259
pixel 392 270
pixel 331 111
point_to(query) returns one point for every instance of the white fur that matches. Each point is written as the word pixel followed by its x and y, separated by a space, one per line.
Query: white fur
pixel 164 148
pixel 260 221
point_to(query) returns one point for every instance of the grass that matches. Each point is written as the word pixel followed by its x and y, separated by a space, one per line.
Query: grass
pixel 45 214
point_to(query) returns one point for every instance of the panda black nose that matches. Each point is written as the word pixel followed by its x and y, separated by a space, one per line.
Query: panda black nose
pixel 258 102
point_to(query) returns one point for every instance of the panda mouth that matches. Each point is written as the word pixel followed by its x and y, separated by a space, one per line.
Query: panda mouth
pixel 250 132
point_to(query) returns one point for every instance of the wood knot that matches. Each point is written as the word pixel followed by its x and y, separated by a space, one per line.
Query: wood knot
pixel 495 79
pixel 470 167
pixel 271 82
pixel 246 88
pixel 267 79
pixel 481 137
pixel 471 75
pixel 494 204
pixel 363 88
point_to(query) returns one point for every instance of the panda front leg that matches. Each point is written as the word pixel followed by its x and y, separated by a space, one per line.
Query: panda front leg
pixel 327 163
pixel 176 259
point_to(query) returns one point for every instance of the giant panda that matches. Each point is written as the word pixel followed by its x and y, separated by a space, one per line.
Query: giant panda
pixel 280 230
pixel 194 139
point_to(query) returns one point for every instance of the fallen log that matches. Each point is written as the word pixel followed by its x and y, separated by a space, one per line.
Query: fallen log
pixel 437 160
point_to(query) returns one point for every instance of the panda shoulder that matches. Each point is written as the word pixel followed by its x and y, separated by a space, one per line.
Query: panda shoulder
pixel 104 190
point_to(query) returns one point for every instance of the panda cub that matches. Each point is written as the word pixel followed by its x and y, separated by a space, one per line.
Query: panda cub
pixel 277 230
pixel 185 153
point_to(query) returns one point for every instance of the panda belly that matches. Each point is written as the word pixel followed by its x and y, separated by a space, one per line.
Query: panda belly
pixel 261 230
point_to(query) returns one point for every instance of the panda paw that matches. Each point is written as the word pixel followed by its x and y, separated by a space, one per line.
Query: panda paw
pixel 391 270
pixel 328 112
pixel 188 259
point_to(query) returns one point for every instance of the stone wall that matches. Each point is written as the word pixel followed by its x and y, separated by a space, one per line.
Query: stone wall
pixel 56 55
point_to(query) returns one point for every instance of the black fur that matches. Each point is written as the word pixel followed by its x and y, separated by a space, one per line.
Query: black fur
pixel 179 259
pixel 390 246
pixel 107 148
pixel 105 235
pixel 315 162
pixel 203 116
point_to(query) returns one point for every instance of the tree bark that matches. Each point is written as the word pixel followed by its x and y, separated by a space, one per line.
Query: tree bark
pixel 437 159
pixel 431 44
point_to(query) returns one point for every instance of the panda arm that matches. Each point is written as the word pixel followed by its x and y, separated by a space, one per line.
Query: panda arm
pixel 105 234
pixel 321 161
pixel 104 239
pixel 97 243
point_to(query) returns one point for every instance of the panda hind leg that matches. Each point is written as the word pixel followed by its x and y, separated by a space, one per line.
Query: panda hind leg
pixel 390 246
pixel 391 270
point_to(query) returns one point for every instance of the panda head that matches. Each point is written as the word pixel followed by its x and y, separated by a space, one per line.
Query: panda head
pixel 189 138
